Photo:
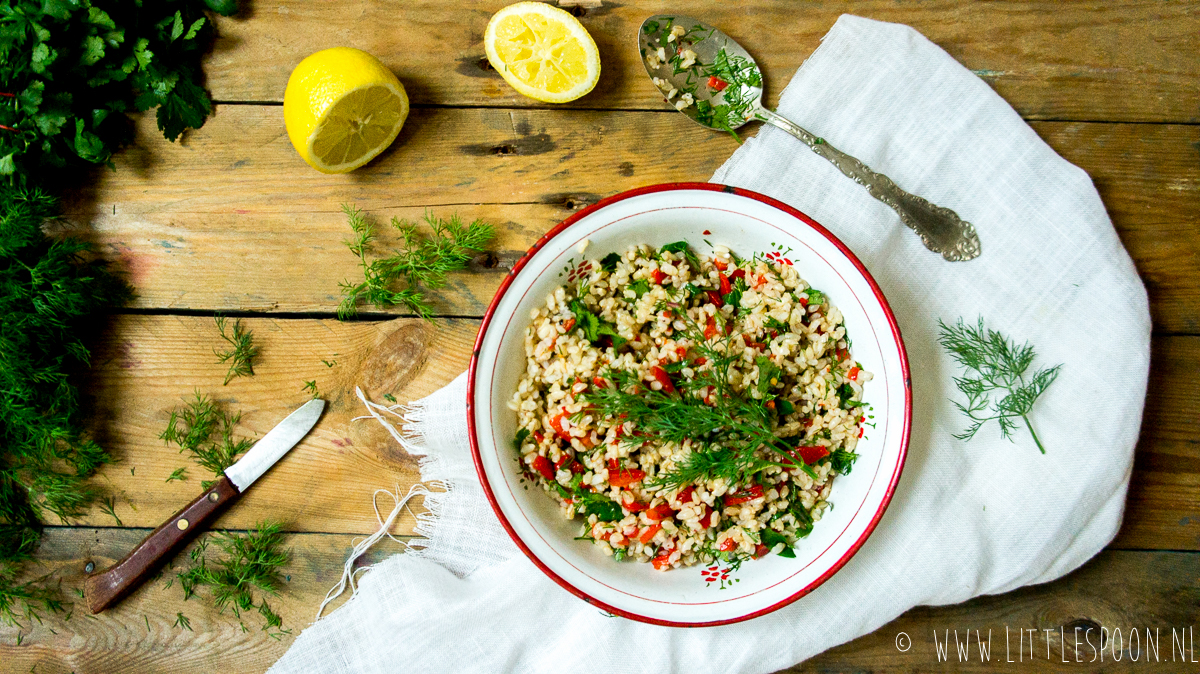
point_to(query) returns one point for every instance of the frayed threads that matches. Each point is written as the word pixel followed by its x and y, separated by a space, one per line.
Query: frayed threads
pixel 349 573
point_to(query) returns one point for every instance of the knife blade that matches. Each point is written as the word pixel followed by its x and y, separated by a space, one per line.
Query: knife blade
pixel 105 588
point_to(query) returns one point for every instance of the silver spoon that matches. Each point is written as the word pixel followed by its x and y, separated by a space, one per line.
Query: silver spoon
pixel 681 54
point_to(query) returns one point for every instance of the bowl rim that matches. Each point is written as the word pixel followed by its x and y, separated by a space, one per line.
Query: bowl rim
pixel 905 432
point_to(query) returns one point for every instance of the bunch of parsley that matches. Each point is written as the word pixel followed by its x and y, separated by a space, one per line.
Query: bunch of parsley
pixel 70 70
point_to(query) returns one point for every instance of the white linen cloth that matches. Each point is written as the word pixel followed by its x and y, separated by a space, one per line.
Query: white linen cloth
pixel 967 519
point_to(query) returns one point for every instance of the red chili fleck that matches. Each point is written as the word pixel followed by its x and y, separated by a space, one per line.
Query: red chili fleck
pixel 707 233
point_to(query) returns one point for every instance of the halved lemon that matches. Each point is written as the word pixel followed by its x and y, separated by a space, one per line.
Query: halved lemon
pixel 341 108
pixel 542 51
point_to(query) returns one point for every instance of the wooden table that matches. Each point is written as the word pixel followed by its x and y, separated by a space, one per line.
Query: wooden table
pixel 230 220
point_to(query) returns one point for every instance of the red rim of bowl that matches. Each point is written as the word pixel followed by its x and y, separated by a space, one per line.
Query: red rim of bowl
pixel 710 187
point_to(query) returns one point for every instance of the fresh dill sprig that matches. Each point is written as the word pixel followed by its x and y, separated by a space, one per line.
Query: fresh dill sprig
pixel 1000 366
pixel 108 507
pixel 251 564
pixel 182 621
pixel 311 387
pixel 726 432
pixel 180 475
pixel 420 263
pixel 241 353
pixel 205 430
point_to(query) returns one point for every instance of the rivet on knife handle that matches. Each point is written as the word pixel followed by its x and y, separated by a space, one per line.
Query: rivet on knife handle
pixel 940 229
pixel 110 586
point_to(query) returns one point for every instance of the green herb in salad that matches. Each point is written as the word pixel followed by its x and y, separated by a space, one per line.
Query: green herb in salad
pixel 241 353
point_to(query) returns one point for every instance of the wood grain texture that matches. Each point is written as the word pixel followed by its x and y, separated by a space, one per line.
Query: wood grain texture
pixel 1096 60
pixel 233 220
pixel 1116 589
pixel 146 365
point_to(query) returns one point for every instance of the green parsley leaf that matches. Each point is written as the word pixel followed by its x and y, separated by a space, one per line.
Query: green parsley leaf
pixel 609 262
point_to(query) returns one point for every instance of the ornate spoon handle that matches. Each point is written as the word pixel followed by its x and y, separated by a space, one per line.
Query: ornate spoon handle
pixel 940 229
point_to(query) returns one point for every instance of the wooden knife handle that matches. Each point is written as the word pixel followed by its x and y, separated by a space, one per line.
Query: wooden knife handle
pixel 105 588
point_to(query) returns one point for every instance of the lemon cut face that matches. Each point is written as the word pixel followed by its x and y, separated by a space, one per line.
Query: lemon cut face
pixel 357 127
pixel 342 107
pixel 543 52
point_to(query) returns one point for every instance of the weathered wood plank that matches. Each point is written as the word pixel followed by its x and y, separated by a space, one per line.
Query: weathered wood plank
pixel 146 364
pixel 234 220
pixel 1117 589
pixel 1129 61
pixel 1167 464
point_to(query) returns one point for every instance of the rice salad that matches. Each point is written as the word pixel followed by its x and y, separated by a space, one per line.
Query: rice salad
pixel 688 408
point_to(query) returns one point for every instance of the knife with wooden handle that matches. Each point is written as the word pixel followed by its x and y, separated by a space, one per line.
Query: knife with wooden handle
pixel 105 588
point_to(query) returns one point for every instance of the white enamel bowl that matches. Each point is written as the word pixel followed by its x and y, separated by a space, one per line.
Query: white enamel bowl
pixel 746 222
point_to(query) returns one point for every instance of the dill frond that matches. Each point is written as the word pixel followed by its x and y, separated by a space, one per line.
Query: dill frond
pixel 311 387
pixel 726 432
pixel 241 353
pixel 421 262
pixel 251 566
pixel 180 475
pixel 999 367
pixel 109 507
pixel 205 431
pixel 182 621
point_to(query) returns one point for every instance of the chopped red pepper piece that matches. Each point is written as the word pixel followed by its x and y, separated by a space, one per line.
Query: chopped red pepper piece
pixel 659 512
pixel 576 468
pixel 537 435
pixel 701 360
pixel 716 83
pixel 744 496
pixel 803 301
pixel 542 465
pixel 686 495
pixel 737 274
pixel 728 545
pixel 813 453
pixel 761 550
pixel 714 298
pixel 556 424
pixel 658 277
pixel 660 375
pixel 853 374
pixel 709 518
pixel 648 534
pixel 843 354
pixel 662 561
pixel 563 460
pixel 599 382
pixel 624 478
pixel 725 286
pixel 720 264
